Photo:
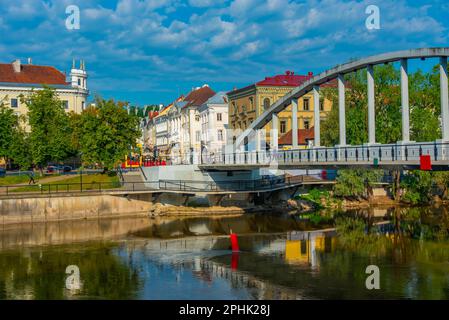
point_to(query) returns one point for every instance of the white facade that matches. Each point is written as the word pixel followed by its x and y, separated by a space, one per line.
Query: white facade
pixel 214 123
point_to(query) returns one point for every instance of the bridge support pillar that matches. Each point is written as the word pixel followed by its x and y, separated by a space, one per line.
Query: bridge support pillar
pixel 295 124
pixel 444 98
pixel 317 118
pixel 371 106
pixel 405 102
pixel 342 109
pixel 275 132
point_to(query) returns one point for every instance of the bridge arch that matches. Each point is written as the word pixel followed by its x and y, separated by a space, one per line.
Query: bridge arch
pixel 338 72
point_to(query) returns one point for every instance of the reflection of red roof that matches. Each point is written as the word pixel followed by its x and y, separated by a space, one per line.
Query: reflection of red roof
pixel 199 96
pixel 31 74
pixel 304 135
pixel 289 79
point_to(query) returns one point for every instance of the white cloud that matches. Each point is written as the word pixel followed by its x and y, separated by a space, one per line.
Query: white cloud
pixel 213 40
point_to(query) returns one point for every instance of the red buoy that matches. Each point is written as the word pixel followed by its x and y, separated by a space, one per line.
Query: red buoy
pixel 234 243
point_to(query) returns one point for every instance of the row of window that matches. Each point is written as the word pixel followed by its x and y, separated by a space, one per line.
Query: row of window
pixel 65 104
pixel 219 117
pixel 220 135
pixel 267 105
pixel 283 125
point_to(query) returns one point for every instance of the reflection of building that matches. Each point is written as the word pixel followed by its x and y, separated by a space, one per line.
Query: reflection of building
pixel 17 80
pixel 248 103
pixel 304 249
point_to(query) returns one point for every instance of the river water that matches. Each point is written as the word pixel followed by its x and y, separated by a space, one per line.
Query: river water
pixel 281 257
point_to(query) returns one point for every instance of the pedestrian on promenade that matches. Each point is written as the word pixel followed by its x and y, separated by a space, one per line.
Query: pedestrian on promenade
pixel 31 175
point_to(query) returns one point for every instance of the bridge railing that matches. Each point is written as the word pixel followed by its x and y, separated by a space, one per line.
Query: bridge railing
pixel 409 152
pixel 236 185
pixel 120 187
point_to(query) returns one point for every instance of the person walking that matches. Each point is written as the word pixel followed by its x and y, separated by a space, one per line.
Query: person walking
pixel 31 175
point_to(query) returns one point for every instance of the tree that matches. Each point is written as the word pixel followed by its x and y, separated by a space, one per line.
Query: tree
pixel 49 139
pixel 8 124
pixel 107 132
pixel 13 139
pixel 356 183
pixel 20 149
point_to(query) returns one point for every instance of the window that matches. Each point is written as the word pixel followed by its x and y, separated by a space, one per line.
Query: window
pixel 65 104
pixel 197 117
pixel 283 126
pixel 220 135
pixel 306 124
pixel 83 105
pixel 219 117
pixel 306 104
pixel 266 104
pixel 79 82
pixel 198 136
pixel 234 108
pixel 251 103
pixel 322 105
pixel 14 103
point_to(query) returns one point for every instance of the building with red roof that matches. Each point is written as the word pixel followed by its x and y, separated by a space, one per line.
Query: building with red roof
pixel 250 102
pixel 18 79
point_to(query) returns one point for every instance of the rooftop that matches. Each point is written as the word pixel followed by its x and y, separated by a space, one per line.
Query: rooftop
pixel 304 135
pixel 30 74
pixel 198 96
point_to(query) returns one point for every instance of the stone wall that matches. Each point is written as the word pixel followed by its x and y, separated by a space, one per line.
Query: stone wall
pixel 69 208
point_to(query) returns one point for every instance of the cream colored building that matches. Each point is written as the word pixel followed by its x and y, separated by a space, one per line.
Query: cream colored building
pixel 248 103
pixel 19 80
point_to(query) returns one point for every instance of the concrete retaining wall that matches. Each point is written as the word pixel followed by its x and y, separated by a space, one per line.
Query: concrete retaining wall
pixel 68 208
pixel 193 173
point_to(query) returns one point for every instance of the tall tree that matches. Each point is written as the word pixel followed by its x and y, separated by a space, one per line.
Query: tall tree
pixel 8 124
pixel 424 107
pixel 107 132
pixel 50 132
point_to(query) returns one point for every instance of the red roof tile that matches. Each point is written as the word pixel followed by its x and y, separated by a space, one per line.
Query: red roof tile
pixel 199 96
pixel 289 79
pixel 31 74
pixel 304 135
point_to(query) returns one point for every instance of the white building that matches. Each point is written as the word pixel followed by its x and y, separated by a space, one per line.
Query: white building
pixel 214 123
pixel 18 80
pixel 184 129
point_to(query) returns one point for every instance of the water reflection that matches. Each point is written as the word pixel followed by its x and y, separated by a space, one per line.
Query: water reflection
pixel 280 258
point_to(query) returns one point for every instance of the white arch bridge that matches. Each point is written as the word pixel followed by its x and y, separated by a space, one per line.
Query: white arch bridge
pixel 403 154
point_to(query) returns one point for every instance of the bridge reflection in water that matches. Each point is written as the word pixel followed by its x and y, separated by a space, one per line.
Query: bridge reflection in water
pixel 191 259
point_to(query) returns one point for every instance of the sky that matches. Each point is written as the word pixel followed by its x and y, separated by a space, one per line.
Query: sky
pixel 150 51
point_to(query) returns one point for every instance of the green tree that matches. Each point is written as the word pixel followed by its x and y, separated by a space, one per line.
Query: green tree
pixel 8 125
pixel 417 187
pixel 13 138
pixel 356 183
pixel 49 139
pixel 107 132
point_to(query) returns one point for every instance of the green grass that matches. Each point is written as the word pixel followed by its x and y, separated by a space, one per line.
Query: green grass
pixel 9 180
pixel 90 182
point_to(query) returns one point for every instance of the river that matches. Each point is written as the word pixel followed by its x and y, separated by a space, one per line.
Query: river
pixel 281 257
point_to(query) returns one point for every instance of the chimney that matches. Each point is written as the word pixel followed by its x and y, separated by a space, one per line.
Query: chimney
pixel 310 73
pixel 30 61
pixel 17 66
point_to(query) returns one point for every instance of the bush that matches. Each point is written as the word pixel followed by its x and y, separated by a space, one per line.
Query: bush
pixel 356 183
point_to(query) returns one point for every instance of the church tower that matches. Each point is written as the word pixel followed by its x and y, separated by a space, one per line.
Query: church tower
pixel 79 75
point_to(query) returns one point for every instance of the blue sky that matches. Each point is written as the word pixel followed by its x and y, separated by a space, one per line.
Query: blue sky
pixel 146 51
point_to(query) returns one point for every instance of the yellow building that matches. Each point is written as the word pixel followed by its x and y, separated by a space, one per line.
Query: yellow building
pixel 19 80
pixel 248 103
